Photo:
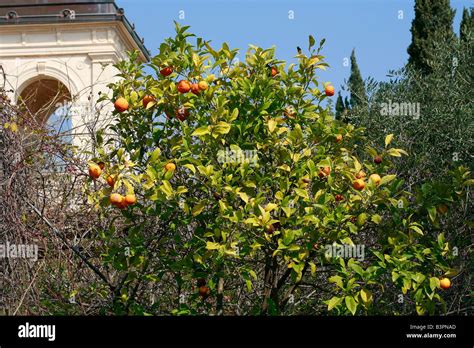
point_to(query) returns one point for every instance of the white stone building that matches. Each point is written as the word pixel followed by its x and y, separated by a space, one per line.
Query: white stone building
pixel 62 51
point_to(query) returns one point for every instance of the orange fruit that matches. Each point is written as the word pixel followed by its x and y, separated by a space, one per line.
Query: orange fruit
pixel 183 86
pixel 170 167
pixel 94 171
pixel 445 283
pixel 101 165
pixel 378 159
pixel 338 138
pixel 274 71
pixel 110 181
pixel 360 175
pixel 182 113
pixel 324 172
pixel 195 88
pixel 358 184
pixel 147 99
pixel 203 85
pixel 166 71
pixel 204 291
pixel 329 91
pixel 375 178
pixel 339 197
pixel 116 199
pixel 442 209
pixel 270 229
pixel 130 199
pixel 121 104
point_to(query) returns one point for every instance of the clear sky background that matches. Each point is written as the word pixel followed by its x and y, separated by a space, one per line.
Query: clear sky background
pixel 372 27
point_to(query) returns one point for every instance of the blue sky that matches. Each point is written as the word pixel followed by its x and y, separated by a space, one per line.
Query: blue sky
pixel 372 27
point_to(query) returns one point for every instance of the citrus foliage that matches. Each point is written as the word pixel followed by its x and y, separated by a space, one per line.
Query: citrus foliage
pixel 262 182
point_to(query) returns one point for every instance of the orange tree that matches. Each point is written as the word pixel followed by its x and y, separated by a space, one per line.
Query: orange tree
pixel 242 180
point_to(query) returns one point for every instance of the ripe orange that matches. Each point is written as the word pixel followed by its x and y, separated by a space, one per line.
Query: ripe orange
pixel 195 89
pixel 166 71
pixel 94 171
pixel 147 99
pixel 338 138
pixel 329 90
pixel 170 167
pixel 442 209
pixel 360 175
pixel 375 178
pixel 183 86
pixel 203 85
pixel 270 229
pixel 204 291
pixel 110 181
pixel 445 283
pixel 324 172
pixel 130 199
pixel 121 104
pixel 182 113
pixel 116 199
pixel 274 71
pixel 358 184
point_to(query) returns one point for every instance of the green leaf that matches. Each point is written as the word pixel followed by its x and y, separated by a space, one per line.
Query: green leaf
pixel 197 209
pixel 155 154
pixel 351 304
pixel 212 246
pixel 365 295
pixel 271 125
pixel 313 268
pixel 394 152
pixel 432 213
pixel 434 283
pixel 166 188
pixel 221 128
pixel 416 229
pixel 243 196
pixel 359 270
pixel 234 115
pixel 311 41
pixel 301 193
pixel 133 96
pixel 191 167
pixel 376 218
pixel 387 178
pixel 337 280
pixel 333 302
pixel 201 131
pixel 388 139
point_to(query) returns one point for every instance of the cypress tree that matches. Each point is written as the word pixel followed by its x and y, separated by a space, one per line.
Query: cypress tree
pixel 340 107
pixel 356 85
pixel 467 25
pixel 433 23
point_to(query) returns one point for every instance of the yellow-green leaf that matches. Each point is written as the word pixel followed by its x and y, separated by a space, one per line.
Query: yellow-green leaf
pixel 388 139
pixel 201 131
pixel 272 125
pixel 197 209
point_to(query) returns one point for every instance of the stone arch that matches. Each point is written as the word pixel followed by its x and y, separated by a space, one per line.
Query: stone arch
pixel 42 96
pixel 57 70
